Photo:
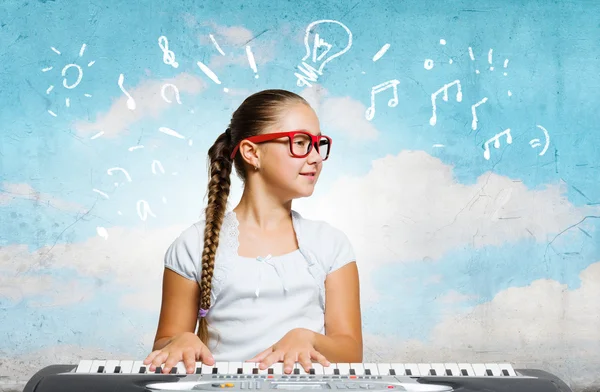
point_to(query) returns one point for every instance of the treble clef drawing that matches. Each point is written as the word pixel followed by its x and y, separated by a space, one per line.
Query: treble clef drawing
pixel 168 55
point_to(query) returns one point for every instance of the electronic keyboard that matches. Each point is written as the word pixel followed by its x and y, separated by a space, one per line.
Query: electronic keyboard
pixel 134 376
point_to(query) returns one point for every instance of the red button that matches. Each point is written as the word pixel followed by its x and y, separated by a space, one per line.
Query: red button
pixel 390 386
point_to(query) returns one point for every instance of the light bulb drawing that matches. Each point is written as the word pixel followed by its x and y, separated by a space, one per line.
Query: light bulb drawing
pixel 320 51
pixel 68 81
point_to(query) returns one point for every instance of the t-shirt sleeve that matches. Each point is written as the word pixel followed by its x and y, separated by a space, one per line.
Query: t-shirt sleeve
pixel 183 255
pixel 342 250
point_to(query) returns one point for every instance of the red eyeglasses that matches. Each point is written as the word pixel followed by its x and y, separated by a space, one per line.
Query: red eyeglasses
pixel 300 142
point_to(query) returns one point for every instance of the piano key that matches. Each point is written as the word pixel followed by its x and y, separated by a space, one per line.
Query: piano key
pixel 207 369
pixel 494 369
pixel 371 368
pixel 247 367
pixel 384 368
pixel 424 369
pixel 136 367
pixel 84 366
pixel 97 366
pixel 180 368
pixel 452 370
pixel 344 369
pixel 299 369
pixel 277 368
pixel 411 369
pixel 357 369
pixel 110 366
pixel 198 369
pixel 507 369
pixel 479 369
pixel 439 369
pixel 234 366
pixel 126 366
pixel 398 369
pixel 222 368
pixel 319 369
pixel 330 369
pixel 466 369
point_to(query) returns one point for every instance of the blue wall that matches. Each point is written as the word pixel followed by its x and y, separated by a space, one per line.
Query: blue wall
pixel 463 256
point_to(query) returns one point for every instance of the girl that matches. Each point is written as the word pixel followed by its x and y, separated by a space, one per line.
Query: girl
pixel 266 284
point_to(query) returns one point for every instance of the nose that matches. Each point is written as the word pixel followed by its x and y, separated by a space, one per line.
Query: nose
pixel 314 156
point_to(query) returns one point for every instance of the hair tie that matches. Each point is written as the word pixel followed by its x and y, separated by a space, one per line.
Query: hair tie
pixel 202 313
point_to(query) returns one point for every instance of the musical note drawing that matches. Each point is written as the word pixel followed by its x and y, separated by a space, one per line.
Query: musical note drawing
pixel 496 140
pixel 381 52
pixel 111 170
pixel 130 100
pixel 433 119
pixel 534 143
pixel 170 132
pixel 176 92
pixel 370 113
pixel 168 55
pixel 473 107
pixel 318 43
pixel 143 214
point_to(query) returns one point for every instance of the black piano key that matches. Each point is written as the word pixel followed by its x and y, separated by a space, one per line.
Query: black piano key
pixel 215 370
pixel 311 371
pixel 118 369
pixel 158 370
pixel 448 372
pixel 255 371
pixel 489 372
pixel 505 372
pixel 367 372
pixel 270 371
pixel 142 369
pixel 352 372
pixel 199 370
pixel 336 371
pixel 408 372
pixel 240 371
pixel 173 370
pixel 296 371
pixel 100 369
pixel 392 372
pixel 464 372
pixel 432 372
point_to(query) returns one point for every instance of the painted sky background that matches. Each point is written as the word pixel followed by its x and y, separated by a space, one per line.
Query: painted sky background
pixel 461 257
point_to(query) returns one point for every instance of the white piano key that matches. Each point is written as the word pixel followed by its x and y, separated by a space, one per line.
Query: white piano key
pixel 126 366
pixel 384 368
pixel 180 368
pixel 344 368
pixel 479 369
pixel 84 366
pixel 319 369
pixel 494 368
pixel 357 368
pixel 262 371
pixel 440 369
pixel 372 368
pixel 329 369
pixel 413 368
pixel 136 367
pixel 508 368
pixel 277 368
pixel 454 370
pixel 247 367
pixel 398 368
pixel 222 367
pixel 424 369
pixel 234 366
pixel 110 366
pixel 207 369
pixel 467 367
pixel 96 364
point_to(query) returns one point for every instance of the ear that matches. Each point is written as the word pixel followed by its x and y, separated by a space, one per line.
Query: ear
pixel 250 152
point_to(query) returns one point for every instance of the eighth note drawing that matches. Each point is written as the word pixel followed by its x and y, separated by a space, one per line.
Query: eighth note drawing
pixel 496 140
pixel 534 143
pixel 130 100
pixel 433 119
pixel 370 113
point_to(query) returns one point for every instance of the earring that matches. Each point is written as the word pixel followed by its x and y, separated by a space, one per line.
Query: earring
pixel 255 167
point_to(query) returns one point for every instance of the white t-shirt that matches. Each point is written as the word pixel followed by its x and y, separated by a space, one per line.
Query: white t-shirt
pixel 255 302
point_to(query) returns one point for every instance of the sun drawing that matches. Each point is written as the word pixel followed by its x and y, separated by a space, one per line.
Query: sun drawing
pixel 76 68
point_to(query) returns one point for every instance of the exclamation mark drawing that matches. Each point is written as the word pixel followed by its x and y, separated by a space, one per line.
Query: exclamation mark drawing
pixel 505 65
pixel 472 58
pixel 490 59
pixel 251 61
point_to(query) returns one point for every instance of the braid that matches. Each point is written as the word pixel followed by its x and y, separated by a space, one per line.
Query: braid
pixel 218 191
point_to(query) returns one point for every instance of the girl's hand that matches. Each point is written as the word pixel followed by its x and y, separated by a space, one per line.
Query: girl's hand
pixel 186 347
pixel 296 346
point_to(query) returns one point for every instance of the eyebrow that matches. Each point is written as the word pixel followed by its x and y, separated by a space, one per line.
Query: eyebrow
pixel 306 130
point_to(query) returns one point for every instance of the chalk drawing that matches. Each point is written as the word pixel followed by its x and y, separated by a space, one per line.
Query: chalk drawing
pixel 496 140
pixel 175 91
pixel 505 65
pixel 535 143
pixel 101 193
pixel 130 100
pixel 143 210
pixel 111 170
pixel 474 113
pixel 102 232
pixel 155 164
pixel 170 132
pixel 472 58
pixel 69 68
pixel 251 60
pixel 444 89
pixel 381 52
pixel 320 51
pixel 208 72
pixel 212 38
pixel 428 65
pixel 370 112
pixel 133 148
pixel 168 55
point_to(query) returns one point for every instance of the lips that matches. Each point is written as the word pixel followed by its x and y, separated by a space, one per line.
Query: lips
pixel 311 174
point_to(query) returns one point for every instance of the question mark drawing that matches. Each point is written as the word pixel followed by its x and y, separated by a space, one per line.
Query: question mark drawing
pixel 111 170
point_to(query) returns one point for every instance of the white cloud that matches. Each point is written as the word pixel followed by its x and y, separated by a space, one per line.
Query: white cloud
pixel 344 114
pixel 149 103
pixel 543 325
pixel 11 192
pixel 410 207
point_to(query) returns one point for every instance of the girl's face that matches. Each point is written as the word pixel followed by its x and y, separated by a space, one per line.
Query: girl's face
pixel 291 177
